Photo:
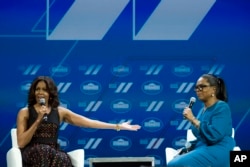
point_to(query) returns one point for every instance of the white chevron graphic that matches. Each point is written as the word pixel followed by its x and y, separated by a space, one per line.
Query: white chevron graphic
pixel 155 143
pixel 88 20
pixel 92 19
pixel 174 20
pixel 32 69
pixel 216 69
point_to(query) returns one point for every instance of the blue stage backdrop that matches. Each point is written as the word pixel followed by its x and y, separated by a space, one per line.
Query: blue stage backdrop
pixel 124 60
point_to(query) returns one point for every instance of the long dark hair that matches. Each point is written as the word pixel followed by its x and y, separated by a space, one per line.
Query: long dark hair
pixel 52 90
pixel 221 91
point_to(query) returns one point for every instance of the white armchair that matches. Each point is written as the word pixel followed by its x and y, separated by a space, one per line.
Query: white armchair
pixel 14 157
pixel 171 152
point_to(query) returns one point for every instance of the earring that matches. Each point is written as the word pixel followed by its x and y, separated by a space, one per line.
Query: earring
pixel 212 95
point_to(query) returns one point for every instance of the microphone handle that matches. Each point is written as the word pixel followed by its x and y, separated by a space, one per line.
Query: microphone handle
pixel 191 104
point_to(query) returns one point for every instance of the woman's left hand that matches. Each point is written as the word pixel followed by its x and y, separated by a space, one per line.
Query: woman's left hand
pixel 128 126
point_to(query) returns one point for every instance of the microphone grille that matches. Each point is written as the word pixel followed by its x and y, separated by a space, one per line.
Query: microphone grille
pixel 193 99
pixel 42 101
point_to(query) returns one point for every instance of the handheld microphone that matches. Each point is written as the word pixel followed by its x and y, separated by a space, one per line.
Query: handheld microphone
pixel 191 103
pixel 42 103
pixel 188 147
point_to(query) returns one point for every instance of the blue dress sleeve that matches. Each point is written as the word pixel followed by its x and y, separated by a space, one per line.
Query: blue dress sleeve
pixel 215 124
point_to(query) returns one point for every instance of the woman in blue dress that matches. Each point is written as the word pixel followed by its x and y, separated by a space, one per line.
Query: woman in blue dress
pixel 213 129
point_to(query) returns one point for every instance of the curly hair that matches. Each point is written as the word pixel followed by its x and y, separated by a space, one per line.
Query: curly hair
pixel 52 90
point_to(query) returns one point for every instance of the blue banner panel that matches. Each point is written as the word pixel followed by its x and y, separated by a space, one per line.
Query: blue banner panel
pixel 125 60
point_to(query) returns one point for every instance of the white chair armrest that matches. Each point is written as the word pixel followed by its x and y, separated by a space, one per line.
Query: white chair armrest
pixel 190 136
pixel 14 157
pixel 77 157
pixel 170 153
pixel 236 148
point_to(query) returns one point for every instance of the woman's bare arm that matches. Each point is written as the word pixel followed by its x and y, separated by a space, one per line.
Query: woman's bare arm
pixel 81 121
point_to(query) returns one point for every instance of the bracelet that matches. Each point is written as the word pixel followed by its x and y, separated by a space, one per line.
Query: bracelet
pixel 193 123
pixel 197 125
pixel 117 127
pixel 192 120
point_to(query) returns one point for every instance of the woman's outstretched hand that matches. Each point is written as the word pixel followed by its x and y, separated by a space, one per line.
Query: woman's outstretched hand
pixel 128 126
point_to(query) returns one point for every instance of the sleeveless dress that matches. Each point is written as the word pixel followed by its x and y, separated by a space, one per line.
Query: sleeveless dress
pixel 43 149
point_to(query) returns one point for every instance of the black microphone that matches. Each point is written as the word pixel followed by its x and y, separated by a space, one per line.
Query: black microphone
pixel 42 103
pixel 191 103
pixel 188 147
